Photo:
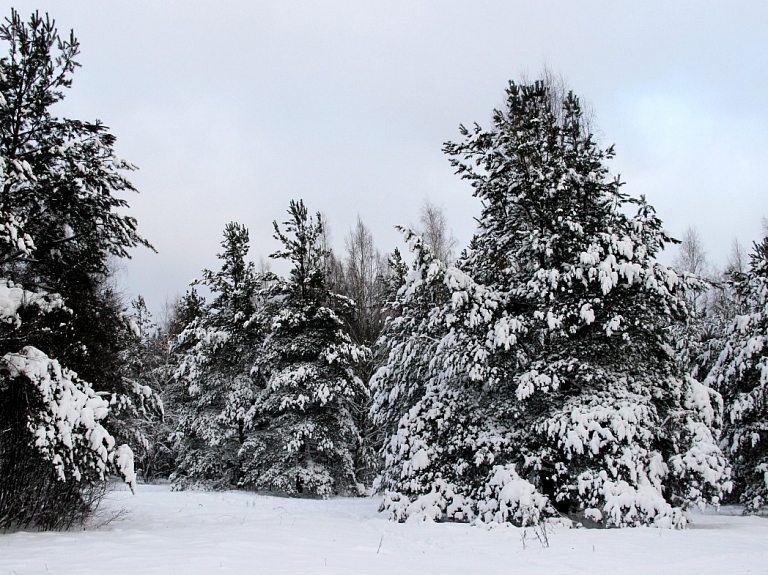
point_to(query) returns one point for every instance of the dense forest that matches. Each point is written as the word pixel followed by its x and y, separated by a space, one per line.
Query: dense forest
pixel 552 369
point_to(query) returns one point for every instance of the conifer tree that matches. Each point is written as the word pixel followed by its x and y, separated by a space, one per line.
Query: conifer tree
pixel 740 373
pixel 219 347
pixel 60 186
pixel 69 203
pixel 303 433
pixel 412 337
pixel 552 383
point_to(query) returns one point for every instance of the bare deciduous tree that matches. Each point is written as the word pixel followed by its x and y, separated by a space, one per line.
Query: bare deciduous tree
pixel 737 259
pixel 364 281
pixel 264 265
pixel 559 90
pixel 434 229
pixel 692 258
pixel 332 266
pixel 364 268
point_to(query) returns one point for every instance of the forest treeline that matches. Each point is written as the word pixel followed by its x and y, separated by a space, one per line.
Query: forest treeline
pixel 551 369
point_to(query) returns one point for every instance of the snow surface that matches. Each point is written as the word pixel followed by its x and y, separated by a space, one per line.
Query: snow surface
pixel 193 532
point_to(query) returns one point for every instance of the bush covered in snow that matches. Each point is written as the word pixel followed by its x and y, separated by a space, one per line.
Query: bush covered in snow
pixel 53 446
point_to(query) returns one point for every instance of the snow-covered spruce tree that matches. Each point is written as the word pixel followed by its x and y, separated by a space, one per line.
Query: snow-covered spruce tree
pixel 175 396
pixel 740 373
pixel 59 227
pixel 219 347
pixel 556 368
pixel 302 428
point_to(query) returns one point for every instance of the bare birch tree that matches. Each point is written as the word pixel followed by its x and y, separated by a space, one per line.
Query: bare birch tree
pixel 433 227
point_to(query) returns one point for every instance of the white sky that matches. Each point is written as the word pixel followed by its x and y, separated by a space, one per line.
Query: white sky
pixel 231 109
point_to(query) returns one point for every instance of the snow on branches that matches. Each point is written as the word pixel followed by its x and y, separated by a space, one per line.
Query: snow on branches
pixel 61 219
pixel 740 373
pixel 272 399
pixel 66 421
pixel 546 349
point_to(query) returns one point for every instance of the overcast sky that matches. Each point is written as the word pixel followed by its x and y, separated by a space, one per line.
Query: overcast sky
pixel 231 109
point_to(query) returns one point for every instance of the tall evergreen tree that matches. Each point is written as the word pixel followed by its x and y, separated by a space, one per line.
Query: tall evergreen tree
pixel 71 200
pixel 71 205
pixel 59 200
pixel 553 382
pixel 219 346
pixel 303 433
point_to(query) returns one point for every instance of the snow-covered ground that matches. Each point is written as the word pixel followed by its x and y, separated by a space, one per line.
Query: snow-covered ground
pixel 159 531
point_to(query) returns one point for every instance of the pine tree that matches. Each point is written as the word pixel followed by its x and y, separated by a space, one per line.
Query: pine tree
pixel 70 202
pixel 60 181
pixel 412 335
pixel 302 427
pixel 740 373
pixel 554 365
pixel 445 452
pixel 215 369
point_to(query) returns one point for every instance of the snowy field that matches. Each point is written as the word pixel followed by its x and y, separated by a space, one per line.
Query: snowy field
pixel 159 531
